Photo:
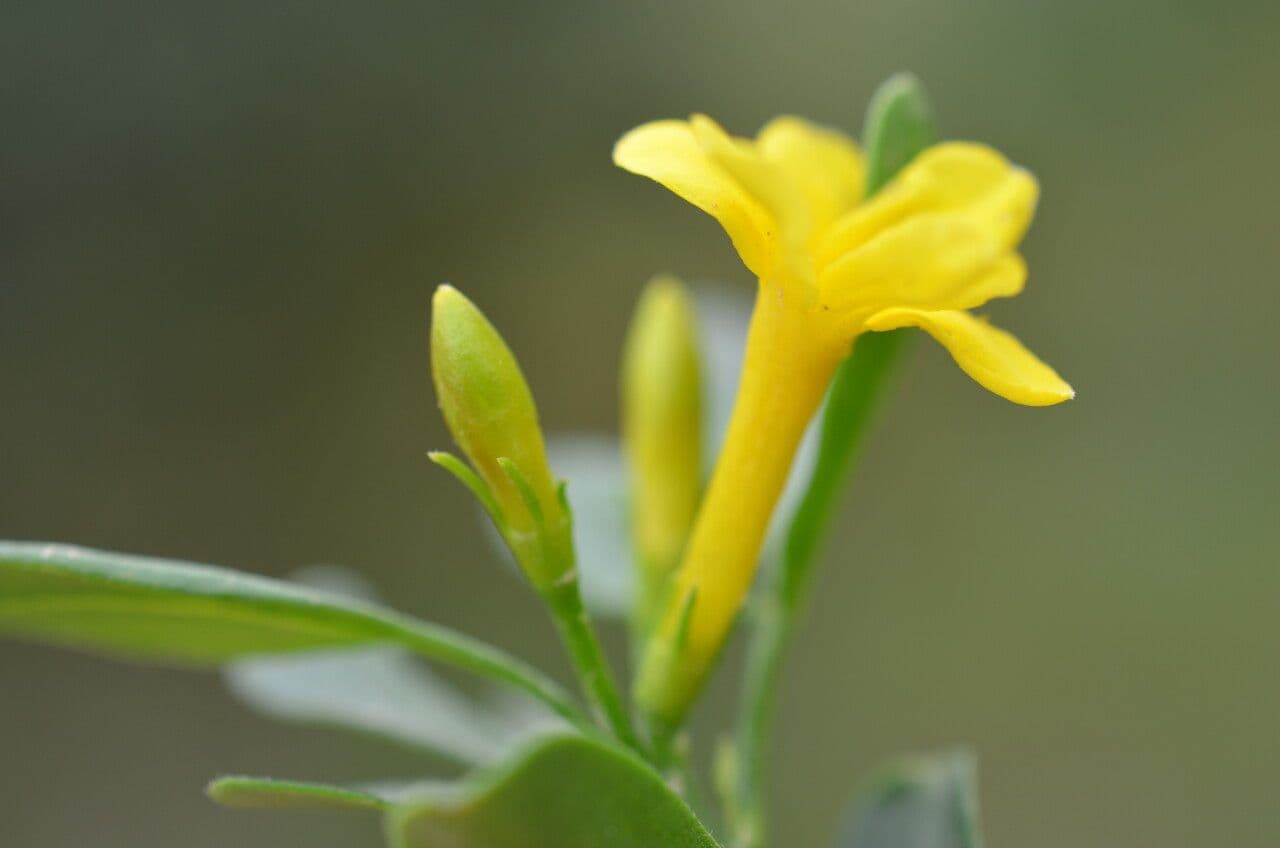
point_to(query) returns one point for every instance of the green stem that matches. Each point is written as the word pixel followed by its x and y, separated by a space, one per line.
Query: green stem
pixel 594 675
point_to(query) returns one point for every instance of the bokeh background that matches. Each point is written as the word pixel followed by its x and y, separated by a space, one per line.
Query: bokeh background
pixel 220 224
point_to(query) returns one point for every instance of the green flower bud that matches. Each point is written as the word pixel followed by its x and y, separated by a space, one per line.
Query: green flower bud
pixel 662 429
pixel 490 412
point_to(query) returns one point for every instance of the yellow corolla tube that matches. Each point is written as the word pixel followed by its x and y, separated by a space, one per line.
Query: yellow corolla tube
pixel 938 240
pixel 661 433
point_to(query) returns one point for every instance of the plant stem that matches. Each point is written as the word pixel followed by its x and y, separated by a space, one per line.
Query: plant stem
pixel 594 675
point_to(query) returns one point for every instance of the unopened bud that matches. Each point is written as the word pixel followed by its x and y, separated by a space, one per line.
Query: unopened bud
pixel 662 429
pixel 490 412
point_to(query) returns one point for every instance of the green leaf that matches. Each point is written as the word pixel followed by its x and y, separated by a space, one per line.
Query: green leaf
pixel 566 791
pixel 264 793
pixel 899 125
pixel 591 464
pixel 165 611
pixel 918 802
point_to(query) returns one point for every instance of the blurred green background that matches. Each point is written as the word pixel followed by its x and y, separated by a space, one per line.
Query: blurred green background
pixel 220 225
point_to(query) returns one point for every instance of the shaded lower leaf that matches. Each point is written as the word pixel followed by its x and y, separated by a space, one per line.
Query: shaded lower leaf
pixel 918 802
pixel 565 791
pixel 161 610
pixel 592 466
pixel 384 692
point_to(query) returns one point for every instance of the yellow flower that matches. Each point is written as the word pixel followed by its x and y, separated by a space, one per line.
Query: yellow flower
pixel 938 240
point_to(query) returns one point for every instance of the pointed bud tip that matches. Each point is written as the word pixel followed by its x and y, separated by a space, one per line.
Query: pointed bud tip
pixel 446 296
pixel 666 296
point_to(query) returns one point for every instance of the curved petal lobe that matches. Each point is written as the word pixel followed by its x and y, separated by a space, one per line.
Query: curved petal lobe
pixel 669 153
pixel 930 262
pixel 992 357
pixel 957 177
pixel 764 181
pixel 826 164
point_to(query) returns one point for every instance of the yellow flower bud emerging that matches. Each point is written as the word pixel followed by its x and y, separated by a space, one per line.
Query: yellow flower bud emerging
pixel 490 412
pixel 662 431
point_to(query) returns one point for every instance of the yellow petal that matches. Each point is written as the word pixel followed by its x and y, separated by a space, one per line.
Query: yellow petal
pixel 767 182
pixel 957 177
pixel 669 153
pixel 936 261
pixel 992 357
pixel 826 164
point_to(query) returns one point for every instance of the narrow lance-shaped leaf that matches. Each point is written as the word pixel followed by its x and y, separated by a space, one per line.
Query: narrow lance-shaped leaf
pixel 165 611
pixel 265 793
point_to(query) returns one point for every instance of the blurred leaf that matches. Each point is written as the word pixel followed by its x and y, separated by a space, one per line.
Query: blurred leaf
pixel 383 691
pixel 264 793
pixel 592 466
pixel 161 610
pixel 723 314
pixel 899 125
pixel 565 791
pixel 918 802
